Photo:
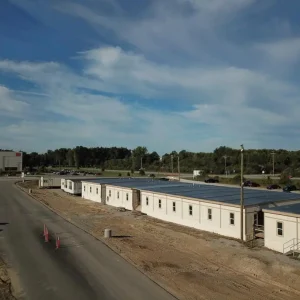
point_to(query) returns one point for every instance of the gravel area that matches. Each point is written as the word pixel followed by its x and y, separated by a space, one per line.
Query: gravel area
pixel 5 286
pixel 191 264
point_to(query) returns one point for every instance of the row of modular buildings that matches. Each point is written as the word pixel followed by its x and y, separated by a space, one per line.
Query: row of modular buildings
pixel 271 215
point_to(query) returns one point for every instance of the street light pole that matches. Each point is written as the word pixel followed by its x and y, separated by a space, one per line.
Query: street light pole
pixel 242 193
pixel 172 164
pixel 178 161
pixel 273 155
pixel 225 158
pixel 141 162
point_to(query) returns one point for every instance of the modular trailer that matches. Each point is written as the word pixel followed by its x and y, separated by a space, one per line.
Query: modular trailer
pixel 206 207
pixel 282 228
pixel 95 189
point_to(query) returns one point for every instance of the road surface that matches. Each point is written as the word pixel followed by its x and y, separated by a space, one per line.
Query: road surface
pixel 83 268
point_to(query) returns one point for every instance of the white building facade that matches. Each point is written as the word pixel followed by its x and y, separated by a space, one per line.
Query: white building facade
pixel 11 161
pixel 199 214
pixel 282 228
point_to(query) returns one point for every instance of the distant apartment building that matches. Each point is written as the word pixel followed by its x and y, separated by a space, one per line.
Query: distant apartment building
pixel 11 161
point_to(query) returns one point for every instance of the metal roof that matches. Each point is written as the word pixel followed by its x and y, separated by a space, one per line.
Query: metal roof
pixel 148 183
pixel 290 209
pixel 108 180
pixel 229 195
pixel 223 194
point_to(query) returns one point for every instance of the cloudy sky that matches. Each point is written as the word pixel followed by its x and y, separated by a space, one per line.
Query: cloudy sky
pixel 166 74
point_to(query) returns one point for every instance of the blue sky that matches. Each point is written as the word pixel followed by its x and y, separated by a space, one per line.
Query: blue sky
pixel 167 74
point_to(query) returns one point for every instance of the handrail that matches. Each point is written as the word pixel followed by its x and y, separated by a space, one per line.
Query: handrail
pixel 289 245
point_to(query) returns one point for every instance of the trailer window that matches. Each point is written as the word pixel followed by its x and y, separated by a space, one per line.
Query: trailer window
pixel 84 188
pixel 118 195
pixel 174 206
pixel 147 201
pixel 70 185
pixel 190 210
pixel 90 189
pixel 109 193
pixel 279 228
pixel 231 217
pixel 97 191
pixel 159 203
pixel 209 214
pixel 127 197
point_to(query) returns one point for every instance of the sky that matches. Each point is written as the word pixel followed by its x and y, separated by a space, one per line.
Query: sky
pixel 165 74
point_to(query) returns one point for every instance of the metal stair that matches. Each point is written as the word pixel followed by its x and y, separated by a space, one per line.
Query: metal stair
pixel 292 248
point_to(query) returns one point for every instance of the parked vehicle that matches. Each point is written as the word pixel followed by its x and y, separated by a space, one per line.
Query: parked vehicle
pixel 273 187
pixel 211 180
pixel 289 188
pixel 251 184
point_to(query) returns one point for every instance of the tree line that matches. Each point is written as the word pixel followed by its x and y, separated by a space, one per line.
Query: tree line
pixel 121 158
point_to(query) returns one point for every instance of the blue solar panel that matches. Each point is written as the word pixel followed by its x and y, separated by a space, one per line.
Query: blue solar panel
pixel 291 208
pixel 230 195
pixel 226 194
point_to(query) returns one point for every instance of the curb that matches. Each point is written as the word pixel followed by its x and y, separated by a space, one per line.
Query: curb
pixel 97 238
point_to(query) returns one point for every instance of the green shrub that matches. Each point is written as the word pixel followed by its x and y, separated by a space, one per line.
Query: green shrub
pixel 142 172
pixel 128 174
pixel 120 174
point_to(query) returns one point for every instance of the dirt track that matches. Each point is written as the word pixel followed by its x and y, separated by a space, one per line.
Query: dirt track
pixel 191 264
pixel 5 292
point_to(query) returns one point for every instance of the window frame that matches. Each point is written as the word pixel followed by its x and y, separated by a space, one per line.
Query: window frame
pixel 209 214
pixel 90 189
pixel 147 201
pixel 232 218
pixel 118 195
pixel 190 209
pixel 159 203
pixel 277 228
pixel 109 193
pixel 97 190
pixel 127 197
pixel 174 206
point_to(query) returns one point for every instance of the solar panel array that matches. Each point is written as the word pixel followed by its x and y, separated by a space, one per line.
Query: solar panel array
pixel 291 208
pixel 223 194
pixel 229 195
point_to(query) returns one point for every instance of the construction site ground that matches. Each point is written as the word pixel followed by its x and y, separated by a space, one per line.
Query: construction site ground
pixel 5 286
pixel 191 264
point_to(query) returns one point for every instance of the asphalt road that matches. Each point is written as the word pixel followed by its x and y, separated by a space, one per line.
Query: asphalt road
pixel 83 268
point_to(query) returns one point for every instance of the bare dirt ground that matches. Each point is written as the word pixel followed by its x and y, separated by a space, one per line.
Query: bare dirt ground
pixel 189 263
pixel 5 286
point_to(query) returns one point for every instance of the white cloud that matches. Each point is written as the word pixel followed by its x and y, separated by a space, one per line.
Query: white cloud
pixel 9 106
pixel 281 51
pixel 226 110
pixel 180 53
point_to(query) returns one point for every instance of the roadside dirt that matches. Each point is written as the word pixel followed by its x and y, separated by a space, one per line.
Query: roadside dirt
pixel 189 263
pixel 5 286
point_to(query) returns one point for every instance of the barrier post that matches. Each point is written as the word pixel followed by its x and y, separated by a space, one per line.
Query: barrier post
pixel 57 242
pixel 46 234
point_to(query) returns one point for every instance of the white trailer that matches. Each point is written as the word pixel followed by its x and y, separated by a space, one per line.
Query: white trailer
pixel 73 186
pixel 197 173
pixel 50 182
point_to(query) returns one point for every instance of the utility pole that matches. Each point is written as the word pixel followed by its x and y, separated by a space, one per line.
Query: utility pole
pixel 273 156
pixel 225 158
pixel 178 161
pixel 242 193
pixel 141 162
pixel 172 164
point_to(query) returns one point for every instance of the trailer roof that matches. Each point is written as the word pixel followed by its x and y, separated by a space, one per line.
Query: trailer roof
pixel 228 195
pixel 107 180
pixel 149 183
pixel 290 209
